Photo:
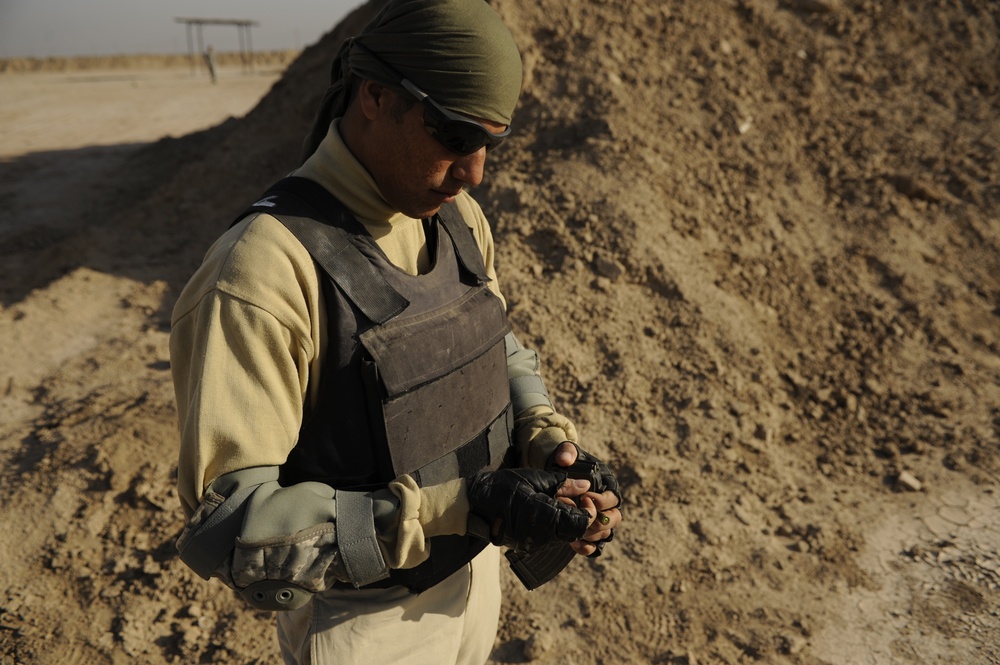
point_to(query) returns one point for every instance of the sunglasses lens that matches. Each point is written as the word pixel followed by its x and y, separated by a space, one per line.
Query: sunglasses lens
pixel 461 136
pixel 464 138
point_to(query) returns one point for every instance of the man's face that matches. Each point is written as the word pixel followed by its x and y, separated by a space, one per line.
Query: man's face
pixel 414 171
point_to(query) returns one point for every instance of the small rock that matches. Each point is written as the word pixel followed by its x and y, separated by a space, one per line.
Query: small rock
pixel 874 387
pixel 784 531
pixel 793 644
pixel 191 635
pixel 601 284
pixel 908 481
pixel 609 268
pixel 141 541
pixel 537 646
pixel 705 533
pixel 795 379
pixel 814 6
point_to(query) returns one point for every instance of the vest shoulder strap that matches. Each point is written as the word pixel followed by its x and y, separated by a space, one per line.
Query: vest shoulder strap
pixel 465 244
pixel 324 226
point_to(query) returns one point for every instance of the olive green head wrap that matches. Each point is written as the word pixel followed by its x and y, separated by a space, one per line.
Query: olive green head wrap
pixel 457 51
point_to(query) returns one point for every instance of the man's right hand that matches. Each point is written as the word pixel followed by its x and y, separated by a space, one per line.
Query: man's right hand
pixel 521 511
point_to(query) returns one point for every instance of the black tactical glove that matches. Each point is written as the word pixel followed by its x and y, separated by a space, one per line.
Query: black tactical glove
pixel 519 511
pixel 601 480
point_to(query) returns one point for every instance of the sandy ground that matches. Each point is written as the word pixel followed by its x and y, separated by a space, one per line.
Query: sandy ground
pixel 66 132
pixel 66 138
pixel 757 245
pixel 65 110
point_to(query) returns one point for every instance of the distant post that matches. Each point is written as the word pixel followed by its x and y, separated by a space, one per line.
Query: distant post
pixel 210 63
pixel 187 29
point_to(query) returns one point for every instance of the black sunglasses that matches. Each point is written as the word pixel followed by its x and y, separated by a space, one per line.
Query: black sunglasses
pixel 456 132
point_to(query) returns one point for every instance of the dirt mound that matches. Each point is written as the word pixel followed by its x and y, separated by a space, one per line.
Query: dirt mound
pixel 757 246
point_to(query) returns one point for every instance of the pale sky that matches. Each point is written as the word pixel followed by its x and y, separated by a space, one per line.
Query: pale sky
pixel 39 28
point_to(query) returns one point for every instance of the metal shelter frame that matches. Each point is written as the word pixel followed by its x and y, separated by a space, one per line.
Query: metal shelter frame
pixel 242 28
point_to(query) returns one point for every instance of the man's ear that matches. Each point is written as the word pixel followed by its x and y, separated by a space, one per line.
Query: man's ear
pixel 374 98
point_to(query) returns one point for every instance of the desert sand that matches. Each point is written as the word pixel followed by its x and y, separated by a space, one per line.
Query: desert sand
pixel 757 245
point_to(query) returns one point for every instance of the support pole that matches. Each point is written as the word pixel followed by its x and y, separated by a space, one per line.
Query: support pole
pixel 201 42
pixel 250 47
pixel 243 56
pixel 194 64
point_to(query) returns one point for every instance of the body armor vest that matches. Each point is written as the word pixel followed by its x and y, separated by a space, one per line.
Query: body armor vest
pixel 414 380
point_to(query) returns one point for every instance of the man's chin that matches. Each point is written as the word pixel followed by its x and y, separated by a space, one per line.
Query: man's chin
pixel 424 212
pixel 428 206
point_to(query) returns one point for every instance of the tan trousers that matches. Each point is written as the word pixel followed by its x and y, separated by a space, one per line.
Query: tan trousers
pixel 454 622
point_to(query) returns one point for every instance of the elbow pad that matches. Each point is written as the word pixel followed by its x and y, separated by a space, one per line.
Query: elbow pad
pixel 526 386
pixel 277 546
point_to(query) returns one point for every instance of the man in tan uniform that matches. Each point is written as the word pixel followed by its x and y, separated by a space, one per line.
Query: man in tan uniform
pixel 357 421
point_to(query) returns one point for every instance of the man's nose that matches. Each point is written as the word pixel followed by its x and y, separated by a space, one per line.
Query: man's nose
pixel 469 168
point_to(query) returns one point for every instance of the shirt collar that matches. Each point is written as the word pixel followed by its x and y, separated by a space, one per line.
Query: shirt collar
pixel 335 168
